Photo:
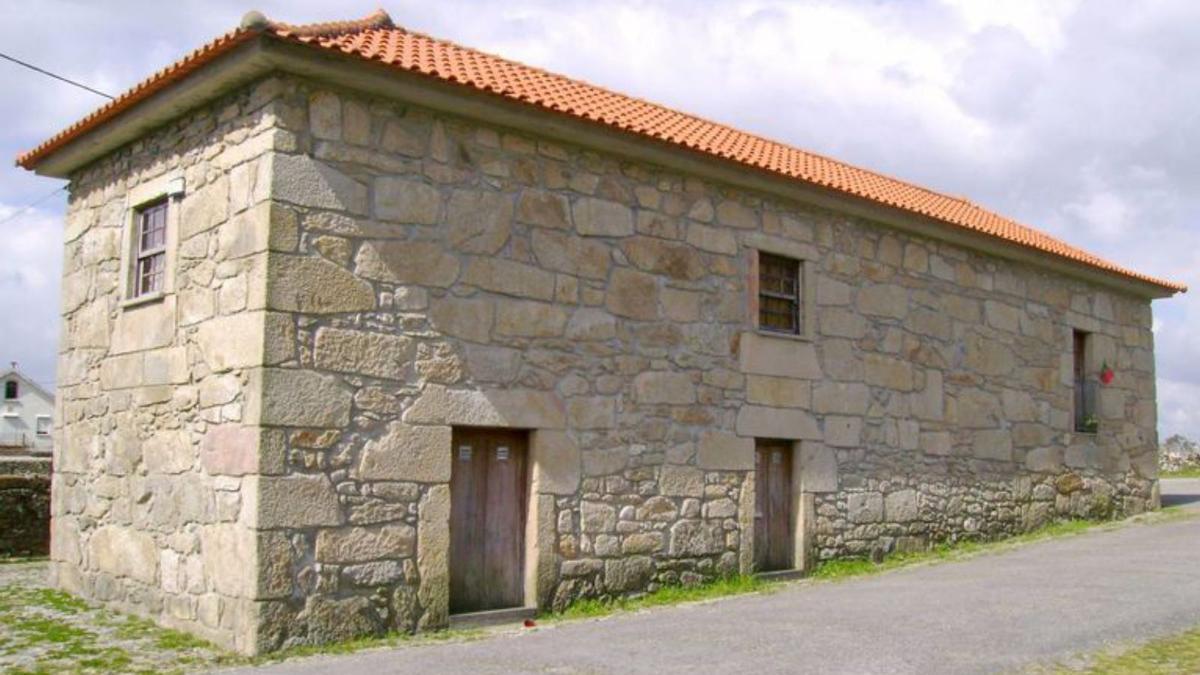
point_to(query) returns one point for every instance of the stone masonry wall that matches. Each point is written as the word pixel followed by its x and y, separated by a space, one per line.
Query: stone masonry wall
pixel 24 506
pixel 153 498
pixel 262 456
pixel 451 273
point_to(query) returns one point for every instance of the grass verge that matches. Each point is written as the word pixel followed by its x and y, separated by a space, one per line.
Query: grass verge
pixel 666 595
pixel 362 644
pixel 1163 656
pixel 834 570
pixel 19 560
pixel 1182 473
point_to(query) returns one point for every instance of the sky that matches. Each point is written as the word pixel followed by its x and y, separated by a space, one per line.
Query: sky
pixel 1079 118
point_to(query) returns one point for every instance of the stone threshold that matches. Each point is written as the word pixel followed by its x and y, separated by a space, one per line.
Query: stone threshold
pixel 491 617
pixel 780 575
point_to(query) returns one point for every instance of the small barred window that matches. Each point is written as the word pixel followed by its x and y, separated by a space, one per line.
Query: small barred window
pixel 779 293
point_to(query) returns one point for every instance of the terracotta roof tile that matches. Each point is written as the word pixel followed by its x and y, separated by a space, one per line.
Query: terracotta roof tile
pixel 376 38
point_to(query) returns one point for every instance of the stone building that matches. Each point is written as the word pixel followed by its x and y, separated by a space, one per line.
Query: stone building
pixel 363 328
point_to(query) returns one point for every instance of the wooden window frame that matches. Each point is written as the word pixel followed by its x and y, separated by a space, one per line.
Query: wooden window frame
pixel 774 288
pixel 150 262
pixel 803 297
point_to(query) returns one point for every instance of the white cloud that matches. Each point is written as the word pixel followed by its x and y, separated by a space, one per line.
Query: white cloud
pixel 1178 412
pixel 29 283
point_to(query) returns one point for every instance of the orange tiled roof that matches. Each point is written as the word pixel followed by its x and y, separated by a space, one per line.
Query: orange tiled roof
pixel 376 38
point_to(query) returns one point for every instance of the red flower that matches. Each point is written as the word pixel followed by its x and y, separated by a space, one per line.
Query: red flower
pixel 1106 374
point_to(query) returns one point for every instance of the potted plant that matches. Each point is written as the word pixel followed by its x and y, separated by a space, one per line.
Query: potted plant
pixel 1090 424
pixel 1106 374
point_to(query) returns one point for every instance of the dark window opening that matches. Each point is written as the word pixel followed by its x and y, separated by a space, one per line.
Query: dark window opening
pixel 11 390
pixel 1085 387
pixel 151 260
pixel 778 293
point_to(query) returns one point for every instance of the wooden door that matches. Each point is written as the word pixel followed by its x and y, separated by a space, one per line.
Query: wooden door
pixel 487 519
pixel 773 549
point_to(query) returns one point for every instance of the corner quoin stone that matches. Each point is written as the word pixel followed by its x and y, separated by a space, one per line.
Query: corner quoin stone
pixel 300 398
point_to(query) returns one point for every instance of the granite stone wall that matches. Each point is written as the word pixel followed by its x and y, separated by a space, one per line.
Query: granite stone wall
pixel 24 506
pixel 155 463
pixel 355 277
pixel 476 276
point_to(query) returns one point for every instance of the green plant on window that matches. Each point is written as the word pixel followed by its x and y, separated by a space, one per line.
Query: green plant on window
pixel 1090 424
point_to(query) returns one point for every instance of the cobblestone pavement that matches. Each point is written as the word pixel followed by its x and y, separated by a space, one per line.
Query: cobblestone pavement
pixel 1039 603
pixel 46 631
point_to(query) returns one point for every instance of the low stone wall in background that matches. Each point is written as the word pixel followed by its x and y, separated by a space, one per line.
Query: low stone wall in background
pixel 24 506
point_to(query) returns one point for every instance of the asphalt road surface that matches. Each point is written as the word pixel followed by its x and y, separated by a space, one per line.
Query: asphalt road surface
pixel 1004 611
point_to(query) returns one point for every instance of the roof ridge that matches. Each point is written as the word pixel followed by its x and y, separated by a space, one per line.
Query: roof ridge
pixel 379 19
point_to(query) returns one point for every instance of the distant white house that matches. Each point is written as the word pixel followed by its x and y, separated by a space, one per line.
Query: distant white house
pixel 26 415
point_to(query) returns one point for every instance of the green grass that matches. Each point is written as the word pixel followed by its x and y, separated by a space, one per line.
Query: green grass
pixel 360 644
pixel 19 560
pixel 1164 656
pixel 833 570
pixel 56 632
pixel 44 630
pixel 66 633
pixel 666 595
pixel 1182 473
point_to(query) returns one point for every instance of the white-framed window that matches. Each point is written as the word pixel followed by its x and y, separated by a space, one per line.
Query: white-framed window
pixel 150 248
pixel 148 240
pixel 44 425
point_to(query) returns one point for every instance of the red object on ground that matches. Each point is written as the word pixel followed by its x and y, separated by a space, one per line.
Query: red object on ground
pixel 529 623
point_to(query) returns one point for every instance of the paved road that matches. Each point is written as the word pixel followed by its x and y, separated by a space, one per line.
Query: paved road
pixel 997 612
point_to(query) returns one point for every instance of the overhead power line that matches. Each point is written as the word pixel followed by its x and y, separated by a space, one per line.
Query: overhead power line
pixel 28 207
pixel 57 77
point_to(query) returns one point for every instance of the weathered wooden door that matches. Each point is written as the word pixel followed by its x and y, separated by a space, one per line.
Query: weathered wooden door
pixel 773 547
pixel 487 519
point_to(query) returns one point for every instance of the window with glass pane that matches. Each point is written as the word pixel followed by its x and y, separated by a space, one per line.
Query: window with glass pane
pixel 151 249
pixel 778 293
